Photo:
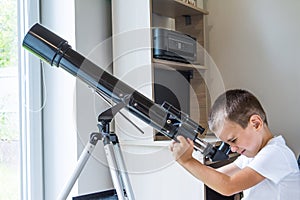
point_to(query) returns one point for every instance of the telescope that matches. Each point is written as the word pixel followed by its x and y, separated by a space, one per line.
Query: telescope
pixel 165 118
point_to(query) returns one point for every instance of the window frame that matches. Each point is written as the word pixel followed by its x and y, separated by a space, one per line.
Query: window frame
pixel 31 102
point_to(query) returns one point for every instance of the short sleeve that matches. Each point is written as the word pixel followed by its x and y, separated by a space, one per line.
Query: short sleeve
pixel 242 161
pixel 274 162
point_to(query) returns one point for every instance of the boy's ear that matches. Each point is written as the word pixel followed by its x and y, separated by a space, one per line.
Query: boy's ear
pixel 256 121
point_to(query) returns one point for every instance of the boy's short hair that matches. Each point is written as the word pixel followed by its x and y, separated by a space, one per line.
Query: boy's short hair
pixel 237 106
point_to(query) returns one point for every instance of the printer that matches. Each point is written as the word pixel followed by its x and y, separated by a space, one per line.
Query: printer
pixel 174 46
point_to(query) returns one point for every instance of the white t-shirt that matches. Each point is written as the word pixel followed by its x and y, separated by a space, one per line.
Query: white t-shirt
pixel 277 163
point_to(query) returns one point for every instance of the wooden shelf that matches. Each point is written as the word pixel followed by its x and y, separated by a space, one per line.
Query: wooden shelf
pixel 175 8
pixel 166 64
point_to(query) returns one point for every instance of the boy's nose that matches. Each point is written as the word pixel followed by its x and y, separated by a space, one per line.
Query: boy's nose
pixel 234 148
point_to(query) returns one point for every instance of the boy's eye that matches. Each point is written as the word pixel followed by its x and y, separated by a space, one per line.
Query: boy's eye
pixel 233 140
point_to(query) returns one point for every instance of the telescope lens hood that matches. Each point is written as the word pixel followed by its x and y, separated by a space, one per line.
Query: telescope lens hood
pixel 45 44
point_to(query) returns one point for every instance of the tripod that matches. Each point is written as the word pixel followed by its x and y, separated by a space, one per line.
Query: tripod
pixel 113 154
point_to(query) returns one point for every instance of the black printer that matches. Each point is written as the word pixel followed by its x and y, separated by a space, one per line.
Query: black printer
pixel 174 46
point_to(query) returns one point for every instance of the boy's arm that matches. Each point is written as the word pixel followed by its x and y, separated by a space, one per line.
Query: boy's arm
pixel 229 169
pixel 218 181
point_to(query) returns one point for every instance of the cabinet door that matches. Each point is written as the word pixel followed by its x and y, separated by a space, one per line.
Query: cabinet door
pixel 132 60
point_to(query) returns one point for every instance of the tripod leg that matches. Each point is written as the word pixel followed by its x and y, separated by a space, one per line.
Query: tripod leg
pixel 123 171
pixel 117 167
pixel 114 171
pixel 85 155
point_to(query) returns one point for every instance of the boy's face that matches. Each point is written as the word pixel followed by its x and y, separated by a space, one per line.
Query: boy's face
pixel 246 141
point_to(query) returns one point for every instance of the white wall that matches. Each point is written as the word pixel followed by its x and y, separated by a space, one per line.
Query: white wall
pixel 58 115
pixel 71 110
pixel 256 46
pixel 93 40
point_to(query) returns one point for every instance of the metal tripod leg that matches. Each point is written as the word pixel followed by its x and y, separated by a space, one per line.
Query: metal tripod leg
pixel 113 154
pixel 85 155
pixel 123 171
pixel 115 162
pixel 118 170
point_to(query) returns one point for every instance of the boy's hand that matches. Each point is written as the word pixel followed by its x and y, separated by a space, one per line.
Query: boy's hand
pixel 182 150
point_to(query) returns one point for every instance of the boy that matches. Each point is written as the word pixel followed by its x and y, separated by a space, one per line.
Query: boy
pixel 266 169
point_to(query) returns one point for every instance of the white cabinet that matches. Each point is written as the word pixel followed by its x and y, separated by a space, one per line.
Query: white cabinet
pixel 155 175
pixel 134 64
pixel 152 171
pixel 132 58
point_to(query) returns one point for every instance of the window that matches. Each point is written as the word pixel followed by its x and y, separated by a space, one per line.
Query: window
pixel 20 124
pixel 30 107
pixel 9 104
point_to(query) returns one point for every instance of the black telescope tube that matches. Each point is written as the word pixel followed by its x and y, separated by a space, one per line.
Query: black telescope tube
pixel 56 51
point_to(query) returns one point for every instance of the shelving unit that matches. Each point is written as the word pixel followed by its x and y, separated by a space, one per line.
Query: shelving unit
pixel 133 56
pixel 189 20
pixel 133 63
